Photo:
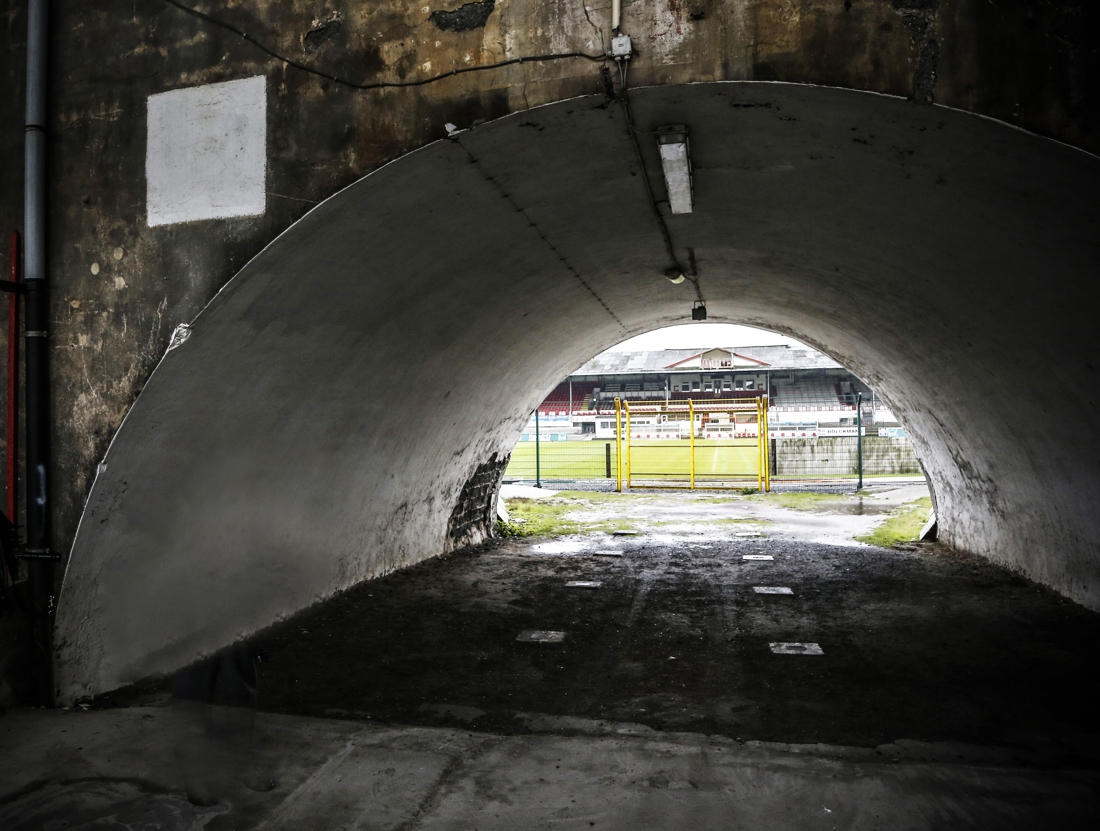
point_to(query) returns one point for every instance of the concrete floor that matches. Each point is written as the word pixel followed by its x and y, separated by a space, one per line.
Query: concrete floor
pixel 950 693
pixel 115 769
pixel 687 516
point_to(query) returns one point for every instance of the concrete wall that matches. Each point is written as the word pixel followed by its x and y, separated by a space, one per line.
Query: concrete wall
pixel 836 455
pixel 1029 64
pixel 120 286
pixel 260 470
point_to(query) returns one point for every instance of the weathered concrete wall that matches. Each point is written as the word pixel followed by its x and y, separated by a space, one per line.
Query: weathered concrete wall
pixel 473 516
pixel 111 327
pixel 839 455
pixel 120 286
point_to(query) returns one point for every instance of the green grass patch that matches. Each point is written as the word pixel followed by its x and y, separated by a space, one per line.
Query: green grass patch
pixel 902 525
pixel 804 500
pixel 538 518
pixel 547 518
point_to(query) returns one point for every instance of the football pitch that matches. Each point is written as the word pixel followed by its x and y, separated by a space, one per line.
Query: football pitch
pixel 659 460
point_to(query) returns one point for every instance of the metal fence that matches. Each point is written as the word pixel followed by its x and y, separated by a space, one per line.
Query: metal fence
pixel 563 461
pixel 659 447
pixel 689 444
pixel 831 458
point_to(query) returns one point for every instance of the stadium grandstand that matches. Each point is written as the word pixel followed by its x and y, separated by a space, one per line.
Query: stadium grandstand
pixel 808 392
pixel 696 414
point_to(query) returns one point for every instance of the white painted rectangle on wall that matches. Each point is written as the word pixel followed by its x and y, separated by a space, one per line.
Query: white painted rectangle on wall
pixel 206 153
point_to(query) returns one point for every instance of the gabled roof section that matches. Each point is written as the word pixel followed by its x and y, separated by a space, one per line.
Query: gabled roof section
pixel 716 352
pixel 772 358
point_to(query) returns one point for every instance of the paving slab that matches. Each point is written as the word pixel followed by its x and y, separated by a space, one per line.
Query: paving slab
pixel 116 768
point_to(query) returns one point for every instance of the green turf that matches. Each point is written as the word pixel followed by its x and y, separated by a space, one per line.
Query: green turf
pixel 902 525
pixel 803 500
pixel 668 460
pixel 546 517
pixel 561 460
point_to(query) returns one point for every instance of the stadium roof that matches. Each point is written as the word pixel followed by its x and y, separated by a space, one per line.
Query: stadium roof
pixel 745 358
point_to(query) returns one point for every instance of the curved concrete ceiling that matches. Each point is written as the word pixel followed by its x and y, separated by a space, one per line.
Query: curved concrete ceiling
pixel 317 427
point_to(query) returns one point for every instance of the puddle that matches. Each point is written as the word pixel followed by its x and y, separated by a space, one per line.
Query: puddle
pixel 860 508
pixel 686 541
pixel 689 521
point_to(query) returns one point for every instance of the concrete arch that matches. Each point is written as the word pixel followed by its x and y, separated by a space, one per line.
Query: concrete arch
pixel 320 422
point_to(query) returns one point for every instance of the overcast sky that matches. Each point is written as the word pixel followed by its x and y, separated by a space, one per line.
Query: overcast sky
pixel 703 336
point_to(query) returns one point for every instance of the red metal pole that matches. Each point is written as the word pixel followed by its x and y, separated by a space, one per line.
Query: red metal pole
pixel 13 382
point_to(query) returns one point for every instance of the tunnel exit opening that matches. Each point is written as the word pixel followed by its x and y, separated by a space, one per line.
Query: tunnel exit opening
pixel 689 409
pixel 645 444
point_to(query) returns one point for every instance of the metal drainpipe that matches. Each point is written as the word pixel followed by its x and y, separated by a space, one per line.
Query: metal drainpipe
pixel 38 552
pixel 538 461
pixel 859 438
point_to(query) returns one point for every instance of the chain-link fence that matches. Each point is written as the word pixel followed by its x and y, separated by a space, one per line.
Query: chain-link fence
pixel 828 458
pixel 562 461
pixel 793 459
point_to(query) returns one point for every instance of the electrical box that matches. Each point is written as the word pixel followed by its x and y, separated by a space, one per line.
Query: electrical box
pixel 621 48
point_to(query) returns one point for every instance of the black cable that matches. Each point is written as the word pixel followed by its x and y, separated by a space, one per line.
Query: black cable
pixel 534 58
pixel 376 84
pixel 634 132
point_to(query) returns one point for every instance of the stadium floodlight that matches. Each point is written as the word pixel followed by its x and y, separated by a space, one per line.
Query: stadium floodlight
pixel 672 140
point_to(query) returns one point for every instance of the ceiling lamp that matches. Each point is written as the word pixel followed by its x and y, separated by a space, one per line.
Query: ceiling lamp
pixel 672 141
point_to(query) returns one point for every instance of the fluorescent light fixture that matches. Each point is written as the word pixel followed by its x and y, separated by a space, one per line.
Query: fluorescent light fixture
pixel 672 141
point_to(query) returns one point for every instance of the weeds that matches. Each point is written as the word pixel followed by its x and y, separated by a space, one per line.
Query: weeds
pixel 547 518
pixel 804 500
pixel 902 525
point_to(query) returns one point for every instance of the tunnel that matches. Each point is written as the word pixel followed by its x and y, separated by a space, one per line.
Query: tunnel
pixel 326 418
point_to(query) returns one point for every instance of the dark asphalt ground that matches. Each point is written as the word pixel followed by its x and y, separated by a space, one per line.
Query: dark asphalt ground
pixel 919 644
